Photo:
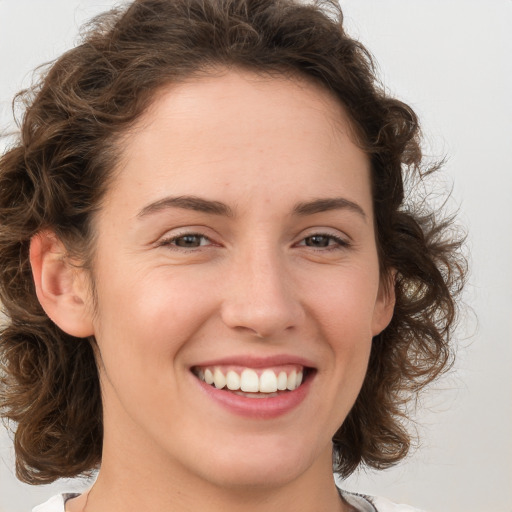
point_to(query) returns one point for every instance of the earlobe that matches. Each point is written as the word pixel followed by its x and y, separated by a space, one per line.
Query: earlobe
pixel 60 286
pixel 385 304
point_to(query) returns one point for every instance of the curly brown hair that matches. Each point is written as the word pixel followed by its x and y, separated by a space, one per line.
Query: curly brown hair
pixel 55 175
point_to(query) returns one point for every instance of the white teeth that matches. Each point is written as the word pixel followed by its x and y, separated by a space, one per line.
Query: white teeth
pixel 233 380
pixel 208 376
pixel 268 382
pixel 218 379
pixel 292 380
pixel 249 381
pixel 282 380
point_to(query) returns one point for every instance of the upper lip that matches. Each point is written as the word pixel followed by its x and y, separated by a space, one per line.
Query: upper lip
pixel 251 361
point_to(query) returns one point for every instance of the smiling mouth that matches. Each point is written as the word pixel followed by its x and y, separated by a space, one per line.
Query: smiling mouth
pixel 254 383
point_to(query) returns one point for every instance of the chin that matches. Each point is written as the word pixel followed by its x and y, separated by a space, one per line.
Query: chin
pixel 244 477
pixel 262 467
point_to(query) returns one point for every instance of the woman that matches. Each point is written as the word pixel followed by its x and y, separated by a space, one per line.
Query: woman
pixel 213 284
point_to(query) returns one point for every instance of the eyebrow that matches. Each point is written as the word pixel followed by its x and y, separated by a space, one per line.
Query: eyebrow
pixel 326 204
pixel 188 203
pixel 199 204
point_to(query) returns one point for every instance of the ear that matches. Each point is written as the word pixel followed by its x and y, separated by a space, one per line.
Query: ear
pixel 61 287
pixel 385 304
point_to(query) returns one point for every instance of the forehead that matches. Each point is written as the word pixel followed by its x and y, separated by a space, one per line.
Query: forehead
pixel 240 132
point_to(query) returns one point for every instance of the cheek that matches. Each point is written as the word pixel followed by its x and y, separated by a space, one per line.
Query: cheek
pixel 344 301
pixel 344 315
pixel 145 320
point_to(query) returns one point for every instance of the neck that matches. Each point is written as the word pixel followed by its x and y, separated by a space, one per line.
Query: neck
pixel 151 492
pixel 136 474
pixel 132 488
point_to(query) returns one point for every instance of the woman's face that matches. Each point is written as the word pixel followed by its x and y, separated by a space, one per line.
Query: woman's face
pixel 236 243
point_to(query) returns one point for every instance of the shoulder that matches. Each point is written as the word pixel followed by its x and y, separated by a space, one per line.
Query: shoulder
pixel 363 503
pixel 55 504
pixel 384 505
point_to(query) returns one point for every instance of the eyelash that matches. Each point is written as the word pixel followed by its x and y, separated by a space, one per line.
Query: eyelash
pixel 340 243
pixel 171 242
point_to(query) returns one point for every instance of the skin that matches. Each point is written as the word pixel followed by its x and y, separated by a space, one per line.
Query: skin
pixel 257 285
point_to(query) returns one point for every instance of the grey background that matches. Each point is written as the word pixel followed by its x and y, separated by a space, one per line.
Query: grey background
pixel 451 60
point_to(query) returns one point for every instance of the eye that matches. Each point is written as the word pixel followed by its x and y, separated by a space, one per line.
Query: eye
pixel 324 241
pixel 186 241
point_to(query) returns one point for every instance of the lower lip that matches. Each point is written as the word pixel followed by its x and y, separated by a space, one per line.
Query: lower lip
pixel 258 408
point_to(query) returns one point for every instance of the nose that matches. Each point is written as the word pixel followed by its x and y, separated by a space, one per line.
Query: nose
pixel 259 297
